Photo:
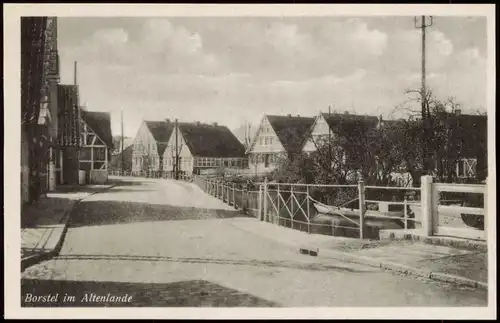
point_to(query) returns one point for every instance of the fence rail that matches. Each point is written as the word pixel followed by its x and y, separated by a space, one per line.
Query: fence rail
pixel 295 205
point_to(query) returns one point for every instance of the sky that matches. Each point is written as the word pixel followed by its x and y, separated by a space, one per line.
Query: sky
pixel 235 69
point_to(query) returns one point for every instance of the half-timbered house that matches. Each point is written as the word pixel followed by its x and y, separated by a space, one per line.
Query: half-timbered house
pixel 96 145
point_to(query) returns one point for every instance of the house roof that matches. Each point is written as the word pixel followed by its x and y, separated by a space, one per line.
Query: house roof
pixel 334 119
pixel 290 130
pixel 100 123
pixel 161 131
pixel 211 140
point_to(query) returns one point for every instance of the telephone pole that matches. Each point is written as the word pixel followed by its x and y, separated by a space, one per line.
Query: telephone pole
pixel 121 149
pixel 176 166
pixel 425 108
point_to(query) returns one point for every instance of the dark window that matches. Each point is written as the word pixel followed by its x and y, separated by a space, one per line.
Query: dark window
pixel 266 160
pixel 85 153
pixel 100 153
pixel 98 165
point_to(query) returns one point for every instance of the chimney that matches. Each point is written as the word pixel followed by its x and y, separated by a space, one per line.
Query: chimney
pixel 214 124
pixel 198 123
pixel 346 112
pixel 167 120
pixel 289 115
pixel 298 115
pixel 458 112
pixel 380 121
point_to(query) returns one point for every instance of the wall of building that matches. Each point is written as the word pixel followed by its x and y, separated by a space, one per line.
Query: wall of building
pixel 186 160
pixel 145 151
pixel 319 134
pixel 25 168
pixel 266 149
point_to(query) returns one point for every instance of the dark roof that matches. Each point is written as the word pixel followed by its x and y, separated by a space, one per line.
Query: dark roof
pixel 334 119
pixel 160 130
pixel 290 130
pixel 211 140
pixel 100 123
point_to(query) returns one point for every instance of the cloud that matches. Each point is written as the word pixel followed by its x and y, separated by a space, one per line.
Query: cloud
pixel 236 69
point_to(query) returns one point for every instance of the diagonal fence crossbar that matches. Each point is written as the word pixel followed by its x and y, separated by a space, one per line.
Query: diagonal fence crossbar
pixel 424 205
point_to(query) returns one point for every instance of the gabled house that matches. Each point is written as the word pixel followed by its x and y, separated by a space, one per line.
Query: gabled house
pixel 325 125
pixel 277 137
pixel 96 145
pixel 201 146
pixel 149 145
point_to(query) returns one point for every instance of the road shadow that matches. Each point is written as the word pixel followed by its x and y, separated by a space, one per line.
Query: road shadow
pixel 97 213
pixel 46 211
pixel 313 266
pixel 129 182
pixel 193 293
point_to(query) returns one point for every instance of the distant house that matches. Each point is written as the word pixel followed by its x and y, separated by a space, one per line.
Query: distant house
pixel 96 145
pixel 149 145
pixel 203 146
pixel 117 144
pixel 277 137
pixel 116 160
pixel 326 124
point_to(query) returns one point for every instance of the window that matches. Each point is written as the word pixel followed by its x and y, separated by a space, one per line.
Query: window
pixel 226 162
pixel 99 165
pixel 270 140
pixel 99 154
pixel 261 141
pixel 266 160
pixel 266 141
pixel 85 153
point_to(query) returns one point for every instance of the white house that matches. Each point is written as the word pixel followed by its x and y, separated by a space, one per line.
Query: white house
pixel 149 145
pixel 203 146
pixel 277 137
pixel 324 127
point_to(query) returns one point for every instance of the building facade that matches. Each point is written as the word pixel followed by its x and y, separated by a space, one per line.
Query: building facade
pixel 39 78
pixel 149 145
pixel 277 137
pixel 96 145
pixel 194 147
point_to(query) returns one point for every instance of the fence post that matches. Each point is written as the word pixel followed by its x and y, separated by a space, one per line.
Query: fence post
pixel 427 205
pixel 234 201
pixel 308 210
pixel 486 210
pixel 278 202
pixel 361 189
pixel 217 189
pixel 405 214
pixel 260 202
pixel 265 200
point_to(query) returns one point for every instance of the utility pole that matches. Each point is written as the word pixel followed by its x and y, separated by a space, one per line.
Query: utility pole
pixel 425 109
pixel 121 149
pixel 176 166
pixel 329 139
